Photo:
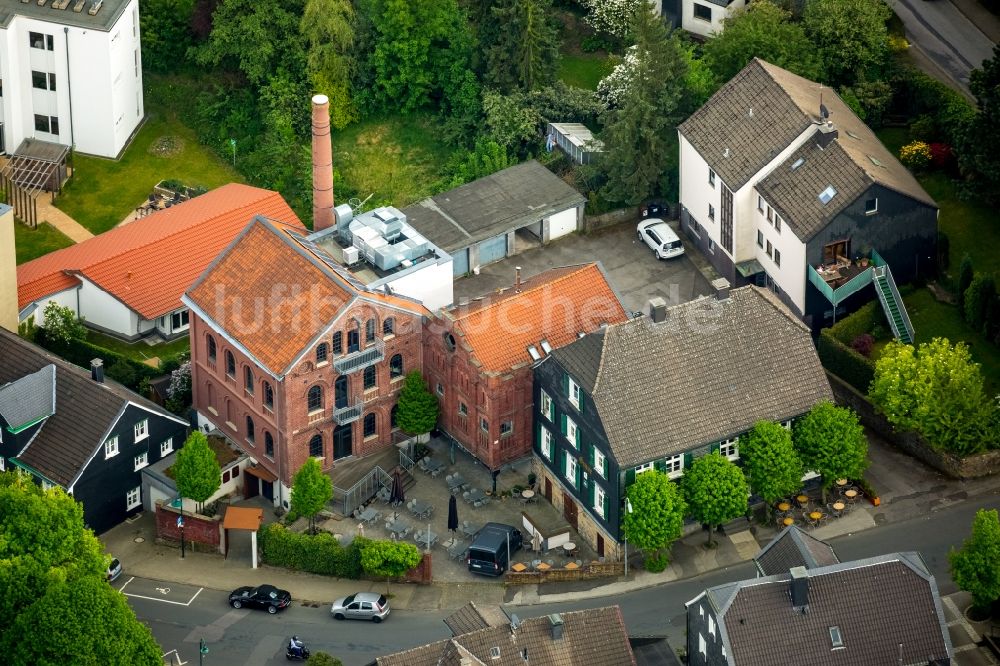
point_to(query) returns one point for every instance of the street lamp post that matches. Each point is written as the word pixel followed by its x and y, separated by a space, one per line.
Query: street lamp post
pixel 180 526
pixel 628 509
pixel 202 651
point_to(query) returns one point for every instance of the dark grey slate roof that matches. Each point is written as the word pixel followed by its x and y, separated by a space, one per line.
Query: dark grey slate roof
pixel 794 548
pixel 581 358
pixel 472 618
pixel 879 604
pixel 84 410
pixel 590 637
pixel 784 105
pixel 710 371
pixel 104 19
pixel 502 202
pixel 30 399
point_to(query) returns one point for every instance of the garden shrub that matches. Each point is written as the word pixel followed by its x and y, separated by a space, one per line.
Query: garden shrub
pixel 942 156
pixel 944 252
pixel 915 155
pixel 862 320
pixel 318 554
pixel 120 368
pixel 976 302
pixel 863 344
pixel 844 362
pixel 656 563
pixel 966 271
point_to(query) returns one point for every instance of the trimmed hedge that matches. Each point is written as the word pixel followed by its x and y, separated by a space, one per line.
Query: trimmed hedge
pixel 844 362
pixel 862 321
pixel 82 352
pixel 318 554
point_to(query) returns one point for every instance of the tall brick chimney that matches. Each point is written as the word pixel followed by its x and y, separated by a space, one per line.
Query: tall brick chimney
pixel 8 270
pixel 322 158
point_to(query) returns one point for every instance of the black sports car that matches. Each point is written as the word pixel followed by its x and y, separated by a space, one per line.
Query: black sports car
pixel 267 597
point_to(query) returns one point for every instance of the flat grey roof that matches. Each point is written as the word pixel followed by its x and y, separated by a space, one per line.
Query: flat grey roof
pixel 507 200
pixel 104 20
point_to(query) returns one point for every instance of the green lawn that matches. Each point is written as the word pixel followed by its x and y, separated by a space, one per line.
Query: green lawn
pixel 103 192
pixel 584 70
pixel 933 319
pixel 398 159
pixel 33 243
pixel 140 351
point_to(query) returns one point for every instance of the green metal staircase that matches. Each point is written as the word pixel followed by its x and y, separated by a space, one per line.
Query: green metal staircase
pixel 892 304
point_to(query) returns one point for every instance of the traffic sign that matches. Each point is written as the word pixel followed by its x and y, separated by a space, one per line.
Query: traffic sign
pixel 180 522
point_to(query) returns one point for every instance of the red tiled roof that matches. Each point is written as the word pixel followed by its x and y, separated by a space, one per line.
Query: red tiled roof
pixel 555 306
pixel 147 264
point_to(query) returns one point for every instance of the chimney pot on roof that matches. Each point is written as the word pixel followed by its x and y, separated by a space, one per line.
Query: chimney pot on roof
pixel 556 622
pixel 517 279
pixel 322 159
pixel 97 370
pixel 799 587
pixel 657 309
pixel 721 286
pixel 826 134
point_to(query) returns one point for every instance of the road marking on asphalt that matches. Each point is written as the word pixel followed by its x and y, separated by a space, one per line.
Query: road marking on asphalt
pixel 161 590
pixel 177 658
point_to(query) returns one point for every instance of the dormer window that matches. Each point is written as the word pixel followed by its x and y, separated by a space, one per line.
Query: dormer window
pixel 836 639
pixel 826 195
pixel 494 653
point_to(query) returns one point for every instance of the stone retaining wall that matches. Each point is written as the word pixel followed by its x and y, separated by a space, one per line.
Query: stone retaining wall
pixel 200 532
pixel 593 223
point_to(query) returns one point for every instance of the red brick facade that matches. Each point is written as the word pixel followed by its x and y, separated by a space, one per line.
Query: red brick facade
pixel 228 399
pixel 197 529
pixel 468 395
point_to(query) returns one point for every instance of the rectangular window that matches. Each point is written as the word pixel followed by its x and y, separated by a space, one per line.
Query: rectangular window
pixel 141 430
pixel 711 212
pixel 836 638
pixel 39 40
pixel 871 206
pixel 484 425
pixel 770 249
pixel 39 80
pixel 711 177
pixel 166 446
pixel 53 125
pixel 546 443
pixel 702 646
pixel 572 433
pixel 730 449
pixel 548 409
pixel 41 123
pixel 111 448
pixel 760 203
pixel 141 460
pixel 702 12
pixel 599 501
pixel 777 257
pixel 574 393
pixel 675 465
pixel 726 223
pixel 760 238
pixel 644 468
pixel 463 409
pixel 711 246
pixel 440 389
pixel 770 217
pixel 570 469
pixel 599 462
pixel 777 223
pixel 179 320
pixel 133 498
pixel 506 427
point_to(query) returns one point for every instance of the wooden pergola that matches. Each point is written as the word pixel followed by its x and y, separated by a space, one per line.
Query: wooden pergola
pixel 35 167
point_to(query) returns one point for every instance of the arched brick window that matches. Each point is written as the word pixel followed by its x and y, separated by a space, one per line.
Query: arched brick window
pixel 316 446
pixel 314 398
pixel 369 428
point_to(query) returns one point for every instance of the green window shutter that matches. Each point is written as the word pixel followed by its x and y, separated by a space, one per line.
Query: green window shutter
pixel 538 436
pixel 630 476
pixel 565 382
pixel 591 492
pixel 660 465
pixel 607 515
pixel 579 440
pixel 604 468
pixel 579 475
pixel 560 456
pixel 582 400
pixel 687 460
pixel 562 423
pixel 713 448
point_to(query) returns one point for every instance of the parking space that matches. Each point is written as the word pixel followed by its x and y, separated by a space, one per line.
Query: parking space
pixel 631 267
pixel 153 590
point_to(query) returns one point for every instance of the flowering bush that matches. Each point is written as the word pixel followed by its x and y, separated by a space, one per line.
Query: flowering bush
pixel 179 389
pixel 611 16
pixel 612 88
pixel 863 344
pixel 941 155
pixel 915 155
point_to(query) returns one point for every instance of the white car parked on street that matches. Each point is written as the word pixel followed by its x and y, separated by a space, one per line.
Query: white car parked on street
pixel 660 238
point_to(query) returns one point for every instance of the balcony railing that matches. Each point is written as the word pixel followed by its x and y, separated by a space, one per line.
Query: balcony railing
pixel 841 293
pixel 348 414
pixel 360 360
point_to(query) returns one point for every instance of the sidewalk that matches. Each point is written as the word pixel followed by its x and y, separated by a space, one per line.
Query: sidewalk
pixel 60 220
pixel 982 18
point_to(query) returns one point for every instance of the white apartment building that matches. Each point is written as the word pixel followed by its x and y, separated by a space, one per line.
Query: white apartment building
pixel 70 73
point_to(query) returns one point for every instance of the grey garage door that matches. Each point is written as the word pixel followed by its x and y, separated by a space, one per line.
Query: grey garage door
pixel 460 261
pixel 492 250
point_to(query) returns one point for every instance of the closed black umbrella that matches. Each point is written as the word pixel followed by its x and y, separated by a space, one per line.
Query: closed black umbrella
pixel 397 497
pixel 452 514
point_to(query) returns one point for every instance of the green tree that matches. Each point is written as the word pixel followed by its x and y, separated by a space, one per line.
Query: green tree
pixel 323 659
pixel 311 490
pixel 764 31
pixel 329 27
pixel 510 121
pixel 640 137
pixel 769 459
pixel 391 559
pixel 196 469
pixel 978 145
pixel 657 512
pixel 832 443
pixel 525 54
pixel 122 372
pixel 851 37
pixel 966 272
pixel 42 541
pixel 716 491
pixel 936 390
pixel 166 33
pixel 417 407
pixel 487 158
pixel 62 325
pixel 976 302
pixel 85 621
pixel 975 567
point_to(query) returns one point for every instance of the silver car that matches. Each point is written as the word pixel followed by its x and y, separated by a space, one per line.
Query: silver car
pixel 361 606
pixel 660 238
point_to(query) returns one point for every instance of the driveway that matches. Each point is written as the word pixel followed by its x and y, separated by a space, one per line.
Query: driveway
pixel 631 267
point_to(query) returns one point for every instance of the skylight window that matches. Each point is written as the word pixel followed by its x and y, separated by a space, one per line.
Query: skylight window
pixel 546 347
pixel 826 195
pixel 533 352
pixel 852 135
pixel 797 163
pixel 875 161
pixel 836 640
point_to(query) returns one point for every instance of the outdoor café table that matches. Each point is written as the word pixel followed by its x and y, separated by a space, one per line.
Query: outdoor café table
pixel 815 515
pixel 434 466
pixel 788 521
pixel 469 530
pixel 398 527
pixel 572 565
pixel 543 567
pixel 456 482
pixel 424 538
pixel 421 508
pixel 784 506
pixel 476 495
pixel 802 499
pixel 518 567
pixel 569 547
pixel 841 482
pixel 839 506
pixel 368 515
pixel 527 494
pixel 851 494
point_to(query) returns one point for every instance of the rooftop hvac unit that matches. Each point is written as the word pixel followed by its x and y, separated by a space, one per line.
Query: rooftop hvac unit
pixel 351 256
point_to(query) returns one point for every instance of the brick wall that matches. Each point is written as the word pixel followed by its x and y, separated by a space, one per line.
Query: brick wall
pixel 420 574
pixel 198 529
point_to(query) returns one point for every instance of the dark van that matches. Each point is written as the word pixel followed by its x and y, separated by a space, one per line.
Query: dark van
pixel 488 553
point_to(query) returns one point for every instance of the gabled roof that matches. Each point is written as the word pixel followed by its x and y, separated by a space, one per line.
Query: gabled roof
pixel 590 637
pixel 271 293
pixel 26 401
pixel 472 618
pixel 147 264
pixel 794 548
pixel 85 410
pixel 498 203
pixel 784 105
pixel 887 609
pixel 556 305
pixel 710 371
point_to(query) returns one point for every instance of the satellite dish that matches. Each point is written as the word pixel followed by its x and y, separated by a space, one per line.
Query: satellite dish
pixel 824 112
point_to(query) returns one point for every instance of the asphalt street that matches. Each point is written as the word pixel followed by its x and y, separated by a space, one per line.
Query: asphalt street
pixel 179 616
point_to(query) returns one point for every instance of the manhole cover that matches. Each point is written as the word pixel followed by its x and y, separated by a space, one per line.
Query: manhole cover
pixel 138 539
